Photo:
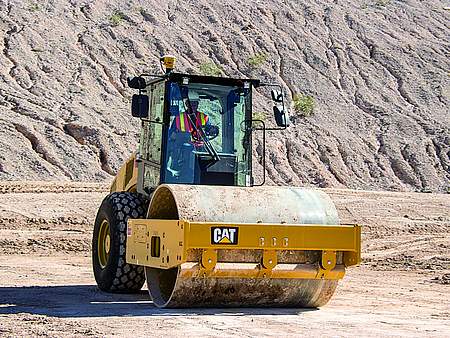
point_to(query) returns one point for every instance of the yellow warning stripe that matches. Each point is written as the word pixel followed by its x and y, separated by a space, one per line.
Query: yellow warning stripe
pixel 182 127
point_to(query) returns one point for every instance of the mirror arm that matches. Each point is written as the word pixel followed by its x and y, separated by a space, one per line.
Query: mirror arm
pixel 263 128
pixel 264 153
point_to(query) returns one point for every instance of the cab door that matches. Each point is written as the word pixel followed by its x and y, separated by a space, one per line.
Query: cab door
pixel 150 143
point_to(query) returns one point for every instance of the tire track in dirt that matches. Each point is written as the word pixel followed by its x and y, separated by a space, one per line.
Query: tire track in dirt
pixel 47 187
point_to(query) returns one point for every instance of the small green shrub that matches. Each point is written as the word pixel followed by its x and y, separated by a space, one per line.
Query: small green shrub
pixel 210 69
pixel 116 18
pixel 257 60
pixel 303 104
pixel 259 115
pixel 426 190
pixel 33 7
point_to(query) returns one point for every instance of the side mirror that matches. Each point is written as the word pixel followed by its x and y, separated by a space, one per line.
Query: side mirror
pixel 281 118
pixel 139 106
pixel 137 82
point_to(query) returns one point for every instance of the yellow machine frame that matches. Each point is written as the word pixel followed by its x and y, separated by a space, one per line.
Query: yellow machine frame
pixel 164 244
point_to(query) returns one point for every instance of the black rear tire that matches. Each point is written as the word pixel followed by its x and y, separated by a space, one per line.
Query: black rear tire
pixel 111 271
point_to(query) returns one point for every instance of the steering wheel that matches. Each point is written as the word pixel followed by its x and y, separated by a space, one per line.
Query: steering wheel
pixel 212 132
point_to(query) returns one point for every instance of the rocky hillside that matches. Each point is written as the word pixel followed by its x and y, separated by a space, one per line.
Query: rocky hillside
pixel 376 69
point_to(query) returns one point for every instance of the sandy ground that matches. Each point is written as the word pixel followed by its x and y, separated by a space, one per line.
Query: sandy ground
pixel 47 287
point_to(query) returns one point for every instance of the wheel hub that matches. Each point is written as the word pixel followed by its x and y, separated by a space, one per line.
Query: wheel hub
pixel 107 243
pixel 104 244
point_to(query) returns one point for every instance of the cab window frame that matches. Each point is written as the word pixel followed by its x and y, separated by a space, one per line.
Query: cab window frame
pixel 146 162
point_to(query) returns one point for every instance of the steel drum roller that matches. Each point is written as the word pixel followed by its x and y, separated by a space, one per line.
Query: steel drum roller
pixel 282 205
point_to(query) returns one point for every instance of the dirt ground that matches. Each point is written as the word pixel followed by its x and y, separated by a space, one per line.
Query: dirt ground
pixel 47 287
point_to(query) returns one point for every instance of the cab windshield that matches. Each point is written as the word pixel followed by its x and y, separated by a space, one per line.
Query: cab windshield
pixel 207 142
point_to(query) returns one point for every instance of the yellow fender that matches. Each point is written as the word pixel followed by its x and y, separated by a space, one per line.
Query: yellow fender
pixel 126 178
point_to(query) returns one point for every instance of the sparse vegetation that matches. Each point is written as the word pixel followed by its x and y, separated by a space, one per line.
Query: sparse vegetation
pixel 375 3
pixel 33 7
pixel 210 69
pixel 257 60
pixel 259 115
pixel 426 190
pixel 116 18
pixel 382 3
pixel 303 104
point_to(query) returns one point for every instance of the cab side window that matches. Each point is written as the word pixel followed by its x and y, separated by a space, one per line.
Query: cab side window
pixel 151 137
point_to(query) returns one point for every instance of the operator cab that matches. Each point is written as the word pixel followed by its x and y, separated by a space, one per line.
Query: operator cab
pixel 195 130
pixel 206 142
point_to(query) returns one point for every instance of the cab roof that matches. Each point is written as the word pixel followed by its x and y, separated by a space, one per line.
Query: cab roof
pixel 224 81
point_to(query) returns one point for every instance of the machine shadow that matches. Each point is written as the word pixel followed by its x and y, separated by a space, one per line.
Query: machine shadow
pixel 77 301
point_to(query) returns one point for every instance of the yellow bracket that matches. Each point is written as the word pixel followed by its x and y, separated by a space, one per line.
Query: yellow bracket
pixel 354 257
pixel 327 263
pixel 269 259
pixel 268 262
pixel 209 259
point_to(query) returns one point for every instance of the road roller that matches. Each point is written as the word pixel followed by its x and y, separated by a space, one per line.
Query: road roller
pixel 187 215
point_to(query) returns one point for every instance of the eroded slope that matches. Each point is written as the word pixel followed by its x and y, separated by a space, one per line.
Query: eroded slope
pixel 378 71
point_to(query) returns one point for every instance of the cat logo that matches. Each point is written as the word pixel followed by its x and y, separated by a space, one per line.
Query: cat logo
pixel 224 235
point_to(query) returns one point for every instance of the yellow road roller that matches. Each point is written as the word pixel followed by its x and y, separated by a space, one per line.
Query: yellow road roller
pixel 186 215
